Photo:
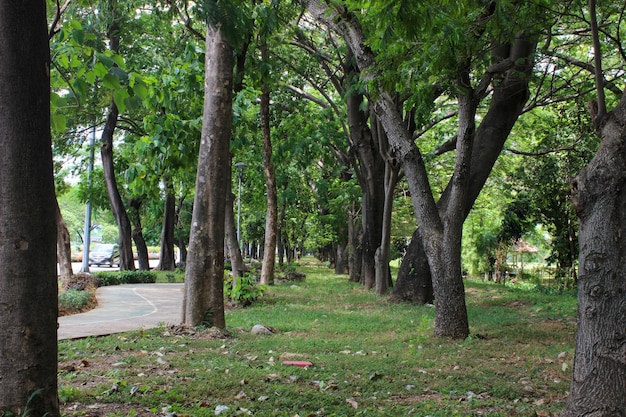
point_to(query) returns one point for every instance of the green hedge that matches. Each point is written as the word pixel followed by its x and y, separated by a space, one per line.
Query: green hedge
pixel 125 277
pixel 73 300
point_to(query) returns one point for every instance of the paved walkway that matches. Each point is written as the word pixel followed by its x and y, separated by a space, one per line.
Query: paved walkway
pixel 123 308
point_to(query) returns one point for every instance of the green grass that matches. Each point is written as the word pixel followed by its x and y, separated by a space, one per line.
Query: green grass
pixel 367 353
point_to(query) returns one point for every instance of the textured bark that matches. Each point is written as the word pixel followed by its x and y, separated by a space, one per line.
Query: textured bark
pixel 28 236
pixel 599 377
pixel 127 261
pixel 416 285
pixel 236 260
pixel 167 261
pixel 137 235
pixel 507 102
pixel 271 217
pixel 204 278
pixel 64 249
pixel 370 173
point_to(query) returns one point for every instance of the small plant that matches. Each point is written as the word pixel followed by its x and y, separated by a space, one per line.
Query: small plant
pixel 74 301
pixel 245 291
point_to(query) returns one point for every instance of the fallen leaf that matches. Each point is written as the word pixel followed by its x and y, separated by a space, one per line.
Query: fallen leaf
pixel 353 403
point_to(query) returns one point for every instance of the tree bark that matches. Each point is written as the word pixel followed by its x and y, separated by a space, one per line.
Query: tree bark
pixel 507 102
pixel 599 196
pixel 28 235
pixel 236 260
pixel 370 173
pixel 64 249
pixel 204 278
pixel 416 285
pixel 137 235
pixel 127 261
pixel 166 252
pixel 271 217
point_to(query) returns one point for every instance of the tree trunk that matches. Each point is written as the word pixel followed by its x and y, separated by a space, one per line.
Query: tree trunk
pixel 599 377
pixel 166 253
pixel 417 285
pixel 204 278
pixel 383 272
pixel 507 102
pixel 370 173
pixel 127 261
pixel 64 249
pixel 137 235
pixel 236 260
pixel 354 251
pixel 28 236
pixel 271 219
pixel 280 244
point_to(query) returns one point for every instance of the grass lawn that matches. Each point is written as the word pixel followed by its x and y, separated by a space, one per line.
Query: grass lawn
pixel 370 358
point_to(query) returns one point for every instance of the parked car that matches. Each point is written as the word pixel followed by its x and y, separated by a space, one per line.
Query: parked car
pixel 105 254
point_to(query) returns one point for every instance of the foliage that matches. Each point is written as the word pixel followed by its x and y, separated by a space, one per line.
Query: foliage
pixel 74 301
pixel 125 277
pixel 246 291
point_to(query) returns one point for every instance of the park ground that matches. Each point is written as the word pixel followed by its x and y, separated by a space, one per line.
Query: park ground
pixel 369 358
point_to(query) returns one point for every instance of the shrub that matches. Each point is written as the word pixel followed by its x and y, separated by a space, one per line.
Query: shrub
pixel 245 292
pixel 125 277
pixel 74 301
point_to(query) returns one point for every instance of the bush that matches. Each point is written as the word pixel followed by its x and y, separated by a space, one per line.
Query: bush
pixel 125 277
pixel 74 301
pixel 245 292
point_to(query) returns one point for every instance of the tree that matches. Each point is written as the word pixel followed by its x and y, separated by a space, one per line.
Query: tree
pixel 441 222
pixel 597 387
pixel 204 276
pixel 28 281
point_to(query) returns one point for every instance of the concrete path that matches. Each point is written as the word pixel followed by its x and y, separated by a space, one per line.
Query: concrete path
pixel 123 308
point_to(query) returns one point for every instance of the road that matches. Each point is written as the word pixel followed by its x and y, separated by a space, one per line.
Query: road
pixel 76 266
pixel 123 308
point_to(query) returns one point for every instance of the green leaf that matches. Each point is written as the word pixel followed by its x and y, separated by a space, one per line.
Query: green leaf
pixel 78 35
pixel 100 70
pixel 120 96
pixel 80 87
pixel 58 122
pixel 141 90
pixel 111 82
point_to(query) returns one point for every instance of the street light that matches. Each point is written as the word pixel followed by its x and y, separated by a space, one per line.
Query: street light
pixel 240 167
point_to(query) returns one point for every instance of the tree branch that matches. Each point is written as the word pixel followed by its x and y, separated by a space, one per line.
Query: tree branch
pixel 597 52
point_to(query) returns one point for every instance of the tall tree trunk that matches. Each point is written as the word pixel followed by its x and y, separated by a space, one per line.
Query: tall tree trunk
pixel 64 249
pixel 127 261
pixel 280 244
pixel 599 194
pixel 204 278
pixel 390 179
pixel 354 250
pixel 370 173
pixel 236 260
pixel 271 217
pixel 417 285
pixel 383 272
pixel 28 272
pixel 137 235
pixel 166 252
pixel 507 102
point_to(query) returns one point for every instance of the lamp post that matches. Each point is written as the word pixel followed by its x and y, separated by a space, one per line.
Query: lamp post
pixel 240 167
